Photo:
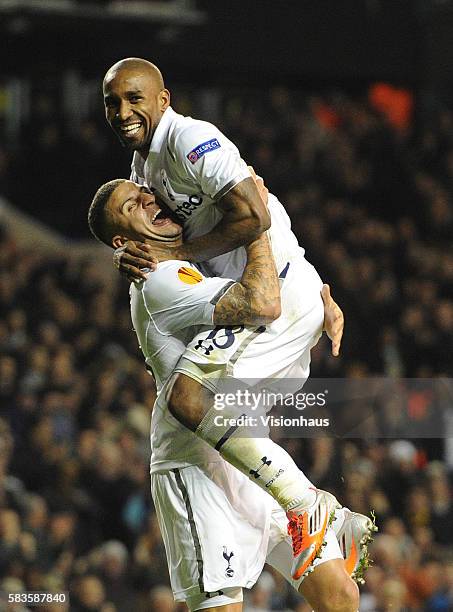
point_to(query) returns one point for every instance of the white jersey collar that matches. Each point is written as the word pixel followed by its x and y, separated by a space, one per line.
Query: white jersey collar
pixel 159 137
pixel 138 165
pixel 161 132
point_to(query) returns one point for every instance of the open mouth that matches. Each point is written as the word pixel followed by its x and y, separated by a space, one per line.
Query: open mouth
pixel 159 219
pixel 164 215
pixel 131 129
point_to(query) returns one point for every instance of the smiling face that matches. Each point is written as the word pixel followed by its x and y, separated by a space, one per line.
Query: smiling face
pixel 134 214
pixel 134 101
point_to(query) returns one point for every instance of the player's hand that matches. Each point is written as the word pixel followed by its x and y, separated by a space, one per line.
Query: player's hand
pixel 165 251
pixel 262 189
pixel 135 260
pixel 333 320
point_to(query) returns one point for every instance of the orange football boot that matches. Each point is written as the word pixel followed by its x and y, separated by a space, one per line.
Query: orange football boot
pixel 307 528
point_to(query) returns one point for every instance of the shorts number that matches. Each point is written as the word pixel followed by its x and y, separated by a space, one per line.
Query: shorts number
pixel 216 340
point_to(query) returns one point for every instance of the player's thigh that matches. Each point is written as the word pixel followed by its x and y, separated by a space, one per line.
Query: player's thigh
pixel 329 587
pixel 208 564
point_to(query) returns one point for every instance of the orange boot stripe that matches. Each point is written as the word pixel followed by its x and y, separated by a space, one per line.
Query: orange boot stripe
pixel 351 561
pixel 316 539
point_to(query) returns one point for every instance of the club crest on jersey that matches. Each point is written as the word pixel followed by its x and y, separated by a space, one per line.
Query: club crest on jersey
pixel 202 149
pixel 189 276
pixel 229 572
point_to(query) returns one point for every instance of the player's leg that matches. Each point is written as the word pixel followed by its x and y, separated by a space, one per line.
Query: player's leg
pixel 328 588
pixel 213 543
pixel 284 354
pixel 260 459
pixel 263 461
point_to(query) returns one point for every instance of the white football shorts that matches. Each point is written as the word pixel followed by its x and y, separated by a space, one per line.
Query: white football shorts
pixel 219 529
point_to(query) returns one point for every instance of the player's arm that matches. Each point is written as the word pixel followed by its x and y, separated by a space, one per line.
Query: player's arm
pixel 210 163
pixel 245 217
pixel 255 299
pixel 220 173
pixel 177 295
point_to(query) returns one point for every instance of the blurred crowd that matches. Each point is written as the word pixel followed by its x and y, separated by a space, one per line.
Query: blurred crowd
pixel 370 197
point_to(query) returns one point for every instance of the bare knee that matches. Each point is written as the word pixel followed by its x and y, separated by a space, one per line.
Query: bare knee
pixel 188 401
pixel 343 598
pixel 330 589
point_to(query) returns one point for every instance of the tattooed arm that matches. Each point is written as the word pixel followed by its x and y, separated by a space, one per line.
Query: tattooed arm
pixel 255 299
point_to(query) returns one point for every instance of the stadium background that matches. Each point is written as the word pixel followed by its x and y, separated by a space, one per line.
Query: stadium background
pixel 346 110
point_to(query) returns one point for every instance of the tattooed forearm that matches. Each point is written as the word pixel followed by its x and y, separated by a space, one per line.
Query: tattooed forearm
pixel 234 308
pixel 255 300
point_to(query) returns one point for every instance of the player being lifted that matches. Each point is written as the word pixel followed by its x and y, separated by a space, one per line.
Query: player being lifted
pixel 208 511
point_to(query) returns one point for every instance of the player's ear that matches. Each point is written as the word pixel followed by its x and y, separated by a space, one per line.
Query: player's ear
pixel 164 99
pixel 118 241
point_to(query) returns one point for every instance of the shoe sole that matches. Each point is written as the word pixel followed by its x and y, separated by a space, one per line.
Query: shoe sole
pixel 358 575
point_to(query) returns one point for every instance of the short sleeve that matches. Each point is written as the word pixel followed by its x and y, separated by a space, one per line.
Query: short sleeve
pixel 177 295
pixel 210 159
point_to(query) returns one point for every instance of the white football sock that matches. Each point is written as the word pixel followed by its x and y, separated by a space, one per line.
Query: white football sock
pixel 263 461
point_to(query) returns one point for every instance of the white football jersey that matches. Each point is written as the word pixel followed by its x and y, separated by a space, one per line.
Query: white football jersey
pixel 191 165
pixel 172 313
pixel 168 309
pixel 273 354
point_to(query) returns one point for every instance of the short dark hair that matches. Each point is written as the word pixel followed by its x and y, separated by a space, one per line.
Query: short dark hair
pixel 97 216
